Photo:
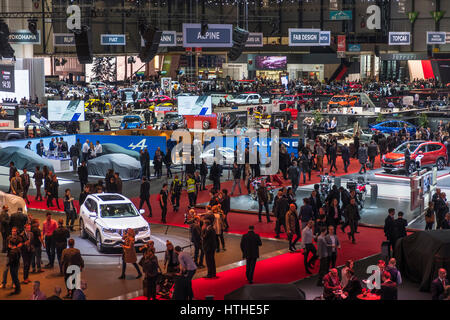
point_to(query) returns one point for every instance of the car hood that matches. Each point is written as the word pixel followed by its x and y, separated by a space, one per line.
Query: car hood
pixel 393 155
pixel 123 223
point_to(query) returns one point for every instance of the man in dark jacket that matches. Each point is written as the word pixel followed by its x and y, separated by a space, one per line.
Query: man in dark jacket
pixel 352 216
pixel 83 174
pixel 388 289
pixel 362 158
pixel 345 153
pixel 25 177
pixel 209 241
pixel 145 195
pixel 294 175
pixel 407 156
pixel 215 176
pixel 71 256
pixel 438 285
pixel 372 152
pixel 333 156
pixel 38 178
pixel 18 220
pixel 4 227
pixel 250 243
pixel 263 200
pixel 389 227
pixel 196 238
pixel 203 173
pixel 60 236
pixel 281 207
pixel 400 225
pixel 306 213
pixel 74 155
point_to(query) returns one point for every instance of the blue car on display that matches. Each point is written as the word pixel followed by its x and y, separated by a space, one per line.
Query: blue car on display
pixel 131 122
pixel 393 126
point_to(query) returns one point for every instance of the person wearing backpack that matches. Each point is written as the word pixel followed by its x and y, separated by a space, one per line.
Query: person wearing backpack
pixel 175 192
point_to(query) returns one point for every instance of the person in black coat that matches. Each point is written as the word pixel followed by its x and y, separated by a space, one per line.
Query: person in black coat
pixel 334 214
pixel 281 206
pixel 353 287
pixel 316 203
pixel 196 238
pixel 203 173
pixel 145 195
pixel 438 285
pixel 83 174
pixel 389 227
pixel 388 289
pixel 215 176
pixel 209 241
pixel 400 225
pixel 333 156
pixel 345 153
pixel 250 243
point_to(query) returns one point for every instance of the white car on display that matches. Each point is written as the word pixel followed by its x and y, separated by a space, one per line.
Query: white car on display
pixel 105 217
pixel 249 98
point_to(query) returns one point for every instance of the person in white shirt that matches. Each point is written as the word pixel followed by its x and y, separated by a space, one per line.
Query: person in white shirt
pixel 348 265
pixel 98 149
pixel 85 151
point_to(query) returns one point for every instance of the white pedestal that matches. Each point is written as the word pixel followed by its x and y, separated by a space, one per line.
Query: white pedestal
pixel 62 165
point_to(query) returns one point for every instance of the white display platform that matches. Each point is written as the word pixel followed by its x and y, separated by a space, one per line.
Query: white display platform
pixel 61 165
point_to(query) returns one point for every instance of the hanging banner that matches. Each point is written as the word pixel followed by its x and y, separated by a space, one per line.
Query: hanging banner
pixel 63 40
pixel 399 38
pixel 354 47
pixel 341 15
pixel 255 39
pixel 342 40
pixel 7 83
pixel 434 37
pixel 217 36
pixel 25 37
pixel 112 40
pixel 437 15
pixel 412 16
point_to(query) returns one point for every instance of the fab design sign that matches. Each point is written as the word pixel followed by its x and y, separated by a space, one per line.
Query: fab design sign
pixel 217 36
pixel 399 38
pixel 113 40
pixel 436 37
pixel 25 37
pixel 63 40
pixel 308 37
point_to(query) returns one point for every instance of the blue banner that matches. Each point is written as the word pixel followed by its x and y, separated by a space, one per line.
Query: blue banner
pixel 25 37
pixel 304 37
pixel 341 15
pixel 113 40
pixel 168 39
pixel 436 37
pixel 255 39
pixel 325 38
pixel 63 40
pixel 399 38
pixel 136 143
pixel 216 36
pixel 354 47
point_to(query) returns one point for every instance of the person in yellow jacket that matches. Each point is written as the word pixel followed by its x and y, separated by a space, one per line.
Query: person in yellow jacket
pixel 191 190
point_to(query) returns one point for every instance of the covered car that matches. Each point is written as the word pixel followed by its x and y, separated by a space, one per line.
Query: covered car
pixel 23 159
pixel 110 148
pixel 127 166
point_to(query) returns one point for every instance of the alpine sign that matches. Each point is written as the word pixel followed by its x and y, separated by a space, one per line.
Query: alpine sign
pixel 399 38
pixel 308 37
pixel 216 36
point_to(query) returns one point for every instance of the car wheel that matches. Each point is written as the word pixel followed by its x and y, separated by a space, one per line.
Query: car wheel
pixel 83 232
pixel 412 167
pixel 206 125
pixel 440 163
pixel 98 241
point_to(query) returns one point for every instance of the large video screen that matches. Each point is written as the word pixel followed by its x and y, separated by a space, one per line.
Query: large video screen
pixel 271 62
pixel 194 105
pixel 65 110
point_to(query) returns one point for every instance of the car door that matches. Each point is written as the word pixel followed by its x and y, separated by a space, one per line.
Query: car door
pixel 90 219
pixel 423 154
pixel 432 153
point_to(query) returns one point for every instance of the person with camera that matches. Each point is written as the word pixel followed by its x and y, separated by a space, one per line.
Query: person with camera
pixel 129 253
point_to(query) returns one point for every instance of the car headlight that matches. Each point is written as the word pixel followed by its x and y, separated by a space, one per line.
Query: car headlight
pixel 400 159
pixel 384 157
pixel 108 230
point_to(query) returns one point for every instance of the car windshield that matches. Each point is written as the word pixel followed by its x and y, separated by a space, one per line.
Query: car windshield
pixel 288 98
pixel 118 210
pixel 338 99
pixel 402 148
pixel 132 119
pixel 242 96
pixel 171 116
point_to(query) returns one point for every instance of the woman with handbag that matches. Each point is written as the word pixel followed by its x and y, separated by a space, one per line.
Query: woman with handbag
pixel 129 253
pixel 150 266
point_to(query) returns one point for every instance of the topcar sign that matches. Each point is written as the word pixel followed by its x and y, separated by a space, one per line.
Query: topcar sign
pixel 217 36
pixel 399 38
pixel 25 37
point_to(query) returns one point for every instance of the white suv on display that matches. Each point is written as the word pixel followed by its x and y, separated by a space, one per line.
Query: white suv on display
pixel 106 216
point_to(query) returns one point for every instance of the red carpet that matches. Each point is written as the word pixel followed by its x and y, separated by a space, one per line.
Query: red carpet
pixel 238 222
pixel 287 267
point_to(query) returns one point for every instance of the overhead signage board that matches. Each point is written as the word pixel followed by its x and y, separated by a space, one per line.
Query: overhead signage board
pixel 354 47
pixel 217 36
pixel 168 39
pixel 341 15
pixel 304 37
pixel 255 39
pixel 63 40
pixel 113 40
pixel 399 38
pixel 7 83
pixel 25 37
pixel 180 39
pixel 325 38
pixel 434 37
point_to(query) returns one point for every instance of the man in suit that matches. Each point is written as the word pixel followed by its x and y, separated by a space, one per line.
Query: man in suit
pixel 40 148
pixel 83 174
pixel 281 206
pixel 333 156
pixel 331 283
pixel 250 243
pixel 145 195
pixel 388 289
pixel 25 177
pixel 294 175
pixel 389 228
pixel 322 252
pixel 18 220
pixel 307 240
pixel 438 285
pixel 71 256
pixel 407 159
pixel 209 242
pixel 38 178
pixel 345 152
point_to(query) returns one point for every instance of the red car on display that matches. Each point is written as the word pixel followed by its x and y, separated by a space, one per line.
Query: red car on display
pixel 160 99
pixel 423 154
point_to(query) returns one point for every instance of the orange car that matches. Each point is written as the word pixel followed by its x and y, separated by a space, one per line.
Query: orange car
pixel 343 101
